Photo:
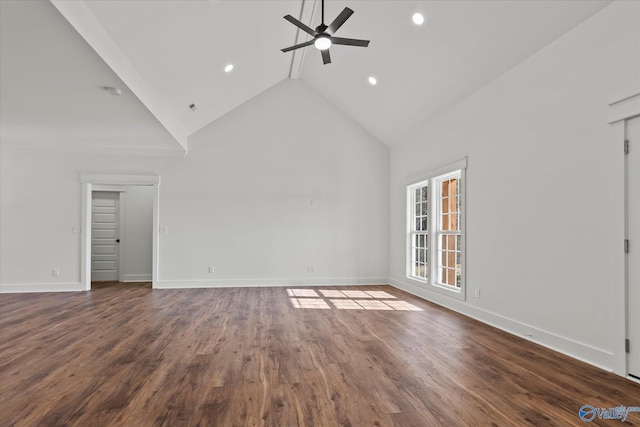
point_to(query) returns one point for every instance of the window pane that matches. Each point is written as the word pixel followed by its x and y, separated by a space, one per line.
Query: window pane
pixel 425 190
pixel 418 195
pixel 422 270
pixel 451 242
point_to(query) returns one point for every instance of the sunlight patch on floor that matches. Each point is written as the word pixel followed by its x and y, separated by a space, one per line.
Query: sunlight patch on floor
pixel 346 304
pixel 316 303
pixel 302 293
pixel 347 300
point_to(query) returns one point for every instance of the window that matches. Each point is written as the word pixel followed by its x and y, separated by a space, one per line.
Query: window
pixel 420 233
pixel 449 234
pixel 435 224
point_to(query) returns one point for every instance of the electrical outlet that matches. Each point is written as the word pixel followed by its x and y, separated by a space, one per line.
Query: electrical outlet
pixel 55 272
pixel 477 292
pixel 211 269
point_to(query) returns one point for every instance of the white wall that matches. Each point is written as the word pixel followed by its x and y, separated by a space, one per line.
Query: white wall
pixel 240 201
pixel 136 236
pixel 544 189
pixel 254 175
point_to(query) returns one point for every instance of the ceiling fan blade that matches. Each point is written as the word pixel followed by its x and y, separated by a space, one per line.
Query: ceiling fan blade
pixel 337 23
pixel 326 57
pixel 349 42
pixel 300 25
pixel 298 46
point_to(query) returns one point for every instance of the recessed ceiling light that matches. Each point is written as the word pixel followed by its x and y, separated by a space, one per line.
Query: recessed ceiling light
pixel 417 18
pixel 228 68
pixel 373 81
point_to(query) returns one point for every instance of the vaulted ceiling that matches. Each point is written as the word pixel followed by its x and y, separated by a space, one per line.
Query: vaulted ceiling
pixel 55 58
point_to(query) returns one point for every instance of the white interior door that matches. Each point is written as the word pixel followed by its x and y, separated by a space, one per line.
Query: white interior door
pixel 105 235
pixel 633 235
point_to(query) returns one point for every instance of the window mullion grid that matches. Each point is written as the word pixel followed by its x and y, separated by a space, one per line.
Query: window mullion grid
pixel 419 245
pixel 447 251
pixel 452 249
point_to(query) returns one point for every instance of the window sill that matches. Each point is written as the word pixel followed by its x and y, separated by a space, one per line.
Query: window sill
pixel 457 293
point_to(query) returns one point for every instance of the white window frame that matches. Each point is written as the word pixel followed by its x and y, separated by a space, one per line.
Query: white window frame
pixel 413 233
pixel 433 178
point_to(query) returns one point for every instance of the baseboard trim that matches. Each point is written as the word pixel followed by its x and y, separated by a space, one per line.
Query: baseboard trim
pixel 594 356
pixel 186 284
pixel 249 283
pixel 40 287
pixel 136 278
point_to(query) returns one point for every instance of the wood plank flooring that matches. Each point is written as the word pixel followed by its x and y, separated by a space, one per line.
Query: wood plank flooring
pixel 127 355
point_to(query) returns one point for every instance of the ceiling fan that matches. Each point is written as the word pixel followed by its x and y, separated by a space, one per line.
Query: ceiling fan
pixel 323 35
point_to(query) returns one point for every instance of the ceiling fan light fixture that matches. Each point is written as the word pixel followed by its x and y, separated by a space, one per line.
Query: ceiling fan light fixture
pixel 324 35
pixel 322 42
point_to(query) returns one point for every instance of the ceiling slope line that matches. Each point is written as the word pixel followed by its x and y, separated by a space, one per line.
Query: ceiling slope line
pixel 84 22
pixel 297 59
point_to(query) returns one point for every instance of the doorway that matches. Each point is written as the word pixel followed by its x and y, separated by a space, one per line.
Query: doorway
pixel 632 244
pixel 114 183
pixel 624 119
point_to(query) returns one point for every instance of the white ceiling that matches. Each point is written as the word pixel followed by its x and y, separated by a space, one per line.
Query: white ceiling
pixel 50 90
pixel 169 54
pixel 422 71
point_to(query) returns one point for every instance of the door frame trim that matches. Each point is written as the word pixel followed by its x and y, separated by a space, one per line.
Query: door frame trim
pixel 620 111
pixel 91 182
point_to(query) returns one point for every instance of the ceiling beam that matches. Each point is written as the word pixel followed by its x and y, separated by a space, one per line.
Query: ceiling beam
pixel 86 24
pixel 307 11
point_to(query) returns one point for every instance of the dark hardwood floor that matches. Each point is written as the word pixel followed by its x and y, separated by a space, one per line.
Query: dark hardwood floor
pixel 127 355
